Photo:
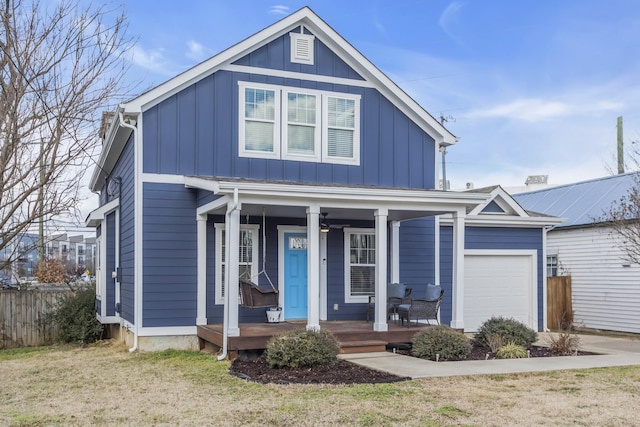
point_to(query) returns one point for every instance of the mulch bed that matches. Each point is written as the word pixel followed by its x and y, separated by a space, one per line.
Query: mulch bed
pixel 344 372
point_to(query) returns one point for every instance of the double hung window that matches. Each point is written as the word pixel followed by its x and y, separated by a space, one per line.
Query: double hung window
pixel 248 256
pixel 360 264
pixel 299 124
pixel 552 265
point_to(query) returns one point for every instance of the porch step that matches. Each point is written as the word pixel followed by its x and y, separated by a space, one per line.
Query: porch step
pixel 368 346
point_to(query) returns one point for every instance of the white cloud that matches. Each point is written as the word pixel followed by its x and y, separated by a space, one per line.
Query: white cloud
pixel 196 51
pixel 380 28
pixel 279 9
pixel 537 110
pixel 528 109
pixel 449 19
pixel 153 60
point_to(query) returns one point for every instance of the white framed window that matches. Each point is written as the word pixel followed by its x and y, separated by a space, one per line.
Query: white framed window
pixel 288 123
pixel 301 139
pixel 360 264
pixel 259 121
pixel 342 133
pixel 552 265
pixel 248 256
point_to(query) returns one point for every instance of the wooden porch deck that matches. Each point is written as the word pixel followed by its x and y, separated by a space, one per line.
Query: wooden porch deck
pixel 354 336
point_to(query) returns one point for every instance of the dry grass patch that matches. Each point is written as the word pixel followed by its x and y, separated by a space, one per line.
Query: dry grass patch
pixel 105 385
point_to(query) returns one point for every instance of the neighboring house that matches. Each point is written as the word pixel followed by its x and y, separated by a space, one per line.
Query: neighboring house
pixel 243 155
pixel 605 288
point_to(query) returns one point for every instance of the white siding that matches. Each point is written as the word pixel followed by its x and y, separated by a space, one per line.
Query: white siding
pixel 605 292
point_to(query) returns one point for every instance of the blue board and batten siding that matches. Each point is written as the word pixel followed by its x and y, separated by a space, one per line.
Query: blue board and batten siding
pixel 195 132
pixel 417 252
pixel 99 297
pixel 110 236
pixel 125 169
pixel 490 238
pixel 275 55
pixel 169 249
pixel 124 173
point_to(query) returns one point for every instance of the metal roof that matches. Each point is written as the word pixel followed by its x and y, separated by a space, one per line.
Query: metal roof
pixel 581 203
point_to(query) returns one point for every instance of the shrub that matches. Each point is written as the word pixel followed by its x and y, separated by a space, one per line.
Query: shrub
pixel 564 343
pixel 75 318
pixel 495 341
pixel 302 348
pixel 511 331
pixel 511 351
pixel 441 340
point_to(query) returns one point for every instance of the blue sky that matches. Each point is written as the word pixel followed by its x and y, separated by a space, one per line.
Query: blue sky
pixel 531 86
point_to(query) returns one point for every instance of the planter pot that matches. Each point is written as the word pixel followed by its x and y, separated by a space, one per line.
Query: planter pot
pixel 273 315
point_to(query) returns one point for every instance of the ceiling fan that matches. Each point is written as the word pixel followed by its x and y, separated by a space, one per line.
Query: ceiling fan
pixel 325 225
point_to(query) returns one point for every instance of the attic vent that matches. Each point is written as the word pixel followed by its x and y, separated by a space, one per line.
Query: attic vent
pixel 302 48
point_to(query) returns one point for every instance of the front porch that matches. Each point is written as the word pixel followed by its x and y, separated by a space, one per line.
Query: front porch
pixel 354 336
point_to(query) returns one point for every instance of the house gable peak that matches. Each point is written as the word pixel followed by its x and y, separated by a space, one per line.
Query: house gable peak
pixel 305 26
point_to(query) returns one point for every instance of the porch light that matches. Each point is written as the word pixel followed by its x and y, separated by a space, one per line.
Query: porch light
pixel 324 227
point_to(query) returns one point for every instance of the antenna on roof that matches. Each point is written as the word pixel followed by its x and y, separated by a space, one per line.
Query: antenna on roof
pixel 443 150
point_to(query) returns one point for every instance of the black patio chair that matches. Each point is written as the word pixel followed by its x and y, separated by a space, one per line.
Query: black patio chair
pixel 420 309
pixel 397 293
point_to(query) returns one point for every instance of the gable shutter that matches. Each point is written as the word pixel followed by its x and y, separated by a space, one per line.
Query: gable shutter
pixel 302 48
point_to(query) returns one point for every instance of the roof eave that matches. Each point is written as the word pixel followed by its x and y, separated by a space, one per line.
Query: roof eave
pixel 108 156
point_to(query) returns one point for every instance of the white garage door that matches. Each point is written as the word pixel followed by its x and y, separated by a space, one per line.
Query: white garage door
pixel 499 284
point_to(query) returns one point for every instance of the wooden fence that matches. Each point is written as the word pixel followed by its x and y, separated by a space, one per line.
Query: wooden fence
pixel 22 317
pixel 559 308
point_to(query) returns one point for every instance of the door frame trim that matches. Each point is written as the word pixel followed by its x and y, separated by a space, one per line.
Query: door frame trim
pixel 282 229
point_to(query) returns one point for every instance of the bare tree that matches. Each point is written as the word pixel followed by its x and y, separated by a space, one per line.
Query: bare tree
pixel 624 218
pixel 61 65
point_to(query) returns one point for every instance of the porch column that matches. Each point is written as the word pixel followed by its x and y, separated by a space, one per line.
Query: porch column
pixel 395 252
pixel 380 323
pixel 201 315
pixel 313 268
pixel 232 241
pixel 457 285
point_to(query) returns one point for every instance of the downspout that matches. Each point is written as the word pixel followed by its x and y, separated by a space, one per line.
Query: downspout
pixel 225 315
pixel 136 295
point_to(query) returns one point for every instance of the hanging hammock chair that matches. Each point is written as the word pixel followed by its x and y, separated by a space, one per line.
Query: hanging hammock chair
pixel 252 295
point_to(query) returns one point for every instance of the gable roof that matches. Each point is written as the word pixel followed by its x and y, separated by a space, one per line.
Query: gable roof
pixel 307 18
pixel 321 30
pixel 581 203
pixel 499 202
pixel 499 209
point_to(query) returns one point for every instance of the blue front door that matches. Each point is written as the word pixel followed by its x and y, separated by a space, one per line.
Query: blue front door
pixel 295 276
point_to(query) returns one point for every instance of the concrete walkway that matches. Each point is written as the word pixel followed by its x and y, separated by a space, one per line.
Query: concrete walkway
pixel 612 351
